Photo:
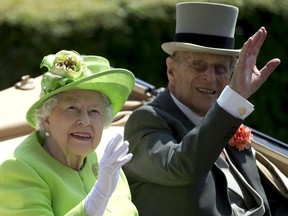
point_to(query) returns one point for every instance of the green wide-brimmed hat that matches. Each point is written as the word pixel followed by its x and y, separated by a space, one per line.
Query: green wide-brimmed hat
pixel 69 70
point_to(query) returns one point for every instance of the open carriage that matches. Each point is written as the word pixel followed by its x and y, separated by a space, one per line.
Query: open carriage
pixel 271 154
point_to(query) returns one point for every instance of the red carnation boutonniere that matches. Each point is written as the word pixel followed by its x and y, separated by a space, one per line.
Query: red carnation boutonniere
pixel 241 140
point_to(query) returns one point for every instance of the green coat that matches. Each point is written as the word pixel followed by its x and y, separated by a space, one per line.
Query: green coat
pixel 34 183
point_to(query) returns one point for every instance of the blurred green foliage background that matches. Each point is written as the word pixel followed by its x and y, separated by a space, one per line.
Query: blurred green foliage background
pixel 130 33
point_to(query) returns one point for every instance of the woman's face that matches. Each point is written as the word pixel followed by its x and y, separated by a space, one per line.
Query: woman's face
pixel 75 124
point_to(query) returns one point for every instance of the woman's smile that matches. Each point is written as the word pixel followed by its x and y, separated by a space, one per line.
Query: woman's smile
pixel 84 136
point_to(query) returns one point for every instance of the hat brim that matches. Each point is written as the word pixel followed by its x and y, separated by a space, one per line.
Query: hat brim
pixel 171 47
pixel 116 84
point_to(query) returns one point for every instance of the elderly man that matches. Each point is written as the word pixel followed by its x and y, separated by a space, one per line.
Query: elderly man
pixel 182 163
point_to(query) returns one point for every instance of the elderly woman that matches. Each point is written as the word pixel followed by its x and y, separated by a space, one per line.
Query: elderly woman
pixel 55 170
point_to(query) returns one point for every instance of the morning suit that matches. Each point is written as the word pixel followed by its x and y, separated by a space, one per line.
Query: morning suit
pixel 173 170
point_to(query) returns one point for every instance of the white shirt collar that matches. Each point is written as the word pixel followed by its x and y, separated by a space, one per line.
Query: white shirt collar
pixel 192 116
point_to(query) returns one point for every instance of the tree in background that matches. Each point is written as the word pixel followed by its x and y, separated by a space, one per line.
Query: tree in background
pixel 130 34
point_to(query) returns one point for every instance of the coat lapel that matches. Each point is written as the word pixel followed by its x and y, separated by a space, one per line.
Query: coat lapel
pixel 165 102
pixel 245 163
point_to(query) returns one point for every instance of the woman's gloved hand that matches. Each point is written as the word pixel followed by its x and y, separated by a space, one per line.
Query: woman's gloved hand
pixel 114 157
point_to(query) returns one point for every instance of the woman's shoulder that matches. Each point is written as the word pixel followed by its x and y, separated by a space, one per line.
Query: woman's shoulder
pixel 9 148
pixel 25 154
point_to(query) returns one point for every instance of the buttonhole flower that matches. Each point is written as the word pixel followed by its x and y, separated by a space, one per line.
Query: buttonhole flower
pixel 242 138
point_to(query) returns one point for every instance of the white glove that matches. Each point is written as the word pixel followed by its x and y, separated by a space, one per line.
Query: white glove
pixel 114 157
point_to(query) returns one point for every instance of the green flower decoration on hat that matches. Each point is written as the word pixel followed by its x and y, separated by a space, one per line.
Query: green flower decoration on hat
pixel 63 68
pixel 69 70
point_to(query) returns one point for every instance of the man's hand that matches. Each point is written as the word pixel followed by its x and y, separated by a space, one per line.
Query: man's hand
pixel 246 78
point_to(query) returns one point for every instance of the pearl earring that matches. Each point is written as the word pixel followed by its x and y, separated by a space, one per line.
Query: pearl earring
pixel 47 133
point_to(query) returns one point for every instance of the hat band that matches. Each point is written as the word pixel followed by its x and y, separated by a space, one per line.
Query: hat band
pixel 205 40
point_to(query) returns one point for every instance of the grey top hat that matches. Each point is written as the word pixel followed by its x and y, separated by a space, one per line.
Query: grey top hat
pixel 204 27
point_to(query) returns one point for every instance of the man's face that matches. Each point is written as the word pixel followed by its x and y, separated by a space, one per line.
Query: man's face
pixel 197 79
